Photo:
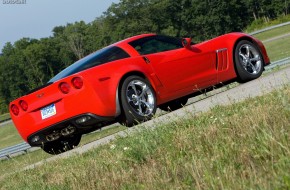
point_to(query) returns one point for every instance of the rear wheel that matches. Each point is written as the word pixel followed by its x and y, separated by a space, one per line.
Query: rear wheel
pixel 61 145
pixel 248 61
pixel 174 104
pixel 138 100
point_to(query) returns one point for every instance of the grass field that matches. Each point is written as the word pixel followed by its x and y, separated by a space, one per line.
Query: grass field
pixel 278 48
pixel 9 136
pixel 242 146
pixel 273 33
pixel 13 164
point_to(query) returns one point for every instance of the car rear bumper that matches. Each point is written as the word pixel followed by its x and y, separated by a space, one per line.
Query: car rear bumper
pixel 76 125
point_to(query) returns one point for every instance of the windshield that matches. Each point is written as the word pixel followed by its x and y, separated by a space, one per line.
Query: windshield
pixel 99 57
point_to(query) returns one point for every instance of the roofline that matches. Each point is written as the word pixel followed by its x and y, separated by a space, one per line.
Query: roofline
pixel 130 39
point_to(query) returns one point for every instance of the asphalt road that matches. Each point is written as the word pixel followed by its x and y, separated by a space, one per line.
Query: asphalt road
pixel 254 88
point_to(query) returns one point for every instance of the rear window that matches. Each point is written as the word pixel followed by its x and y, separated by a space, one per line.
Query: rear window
pixel 99 57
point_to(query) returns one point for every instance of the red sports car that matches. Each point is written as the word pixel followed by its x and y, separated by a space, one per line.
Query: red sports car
pixel 127 81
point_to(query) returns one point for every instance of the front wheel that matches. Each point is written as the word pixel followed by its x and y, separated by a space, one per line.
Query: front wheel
pixel 138 101
pixel 248 61
pixel 61 145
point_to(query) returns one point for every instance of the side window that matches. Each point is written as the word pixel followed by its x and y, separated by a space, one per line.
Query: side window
pixel 155 44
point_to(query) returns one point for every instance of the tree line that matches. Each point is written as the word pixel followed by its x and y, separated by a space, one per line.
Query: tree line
pixel 29 63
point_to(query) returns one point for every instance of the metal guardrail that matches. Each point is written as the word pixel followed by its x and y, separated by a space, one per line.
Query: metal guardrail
pixel 281 62
pixel 269 28
pixel 13 150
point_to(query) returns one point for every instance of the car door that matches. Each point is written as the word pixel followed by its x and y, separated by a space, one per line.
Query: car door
pixel 177 67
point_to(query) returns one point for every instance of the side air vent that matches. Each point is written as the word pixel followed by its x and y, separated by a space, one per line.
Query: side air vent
pixel 222 59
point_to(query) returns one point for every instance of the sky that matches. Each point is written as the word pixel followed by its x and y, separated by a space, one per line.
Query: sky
pixel 37 18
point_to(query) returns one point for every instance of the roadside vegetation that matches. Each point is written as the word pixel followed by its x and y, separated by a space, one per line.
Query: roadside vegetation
pixel 276 42
pixel 241 146
pixel 15 163
pixel 261 22
pixel 9 136
pixel 274 33
pixel 278 49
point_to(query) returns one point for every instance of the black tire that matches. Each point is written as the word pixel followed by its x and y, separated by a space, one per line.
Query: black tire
pixel 135 93
pixel 174 104
pixel 62 145
pixel 249 61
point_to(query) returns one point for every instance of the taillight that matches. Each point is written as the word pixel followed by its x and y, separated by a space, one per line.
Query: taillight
pixel 23 104
pixel 77 82
pixel 14 109
pixel 64 87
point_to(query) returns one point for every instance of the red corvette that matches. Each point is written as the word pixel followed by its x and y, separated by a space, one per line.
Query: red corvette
pixel 127 81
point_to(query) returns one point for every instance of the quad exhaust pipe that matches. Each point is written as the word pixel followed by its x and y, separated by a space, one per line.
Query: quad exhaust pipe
pixel 68 131
pixel 57 134
pixel 53 136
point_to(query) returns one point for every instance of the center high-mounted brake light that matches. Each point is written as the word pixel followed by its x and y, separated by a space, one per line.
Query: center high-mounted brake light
pixel 64 87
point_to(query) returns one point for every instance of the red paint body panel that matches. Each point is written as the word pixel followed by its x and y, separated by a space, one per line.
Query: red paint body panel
pixel 173 74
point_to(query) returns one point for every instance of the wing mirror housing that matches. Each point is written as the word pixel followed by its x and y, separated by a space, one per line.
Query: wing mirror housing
pixel 186 42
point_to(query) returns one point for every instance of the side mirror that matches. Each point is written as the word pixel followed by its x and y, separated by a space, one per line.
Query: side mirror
pixel 186 42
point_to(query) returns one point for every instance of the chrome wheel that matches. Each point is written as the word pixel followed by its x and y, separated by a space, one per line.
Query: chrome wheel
pixel 138 101
pixel 140 98
pixel 250 59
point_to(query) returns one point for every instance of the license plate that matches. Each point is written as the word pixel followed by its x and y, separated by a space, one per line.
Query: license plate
pixel 48 111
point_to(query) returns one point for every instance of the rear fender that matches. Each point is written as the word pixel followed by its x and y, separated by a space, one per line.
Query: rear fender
pixel 144 73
